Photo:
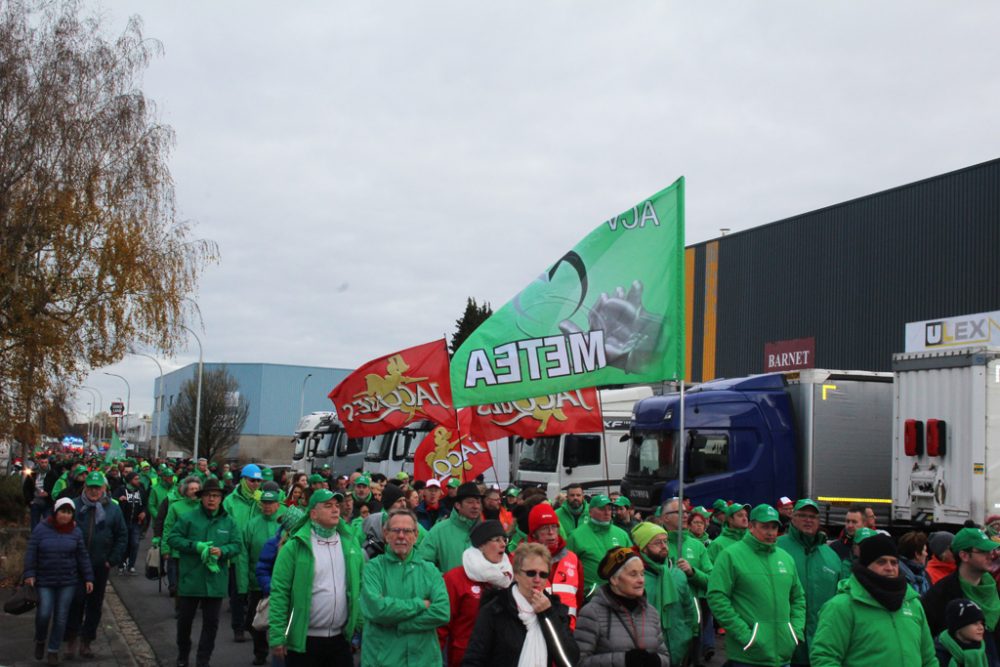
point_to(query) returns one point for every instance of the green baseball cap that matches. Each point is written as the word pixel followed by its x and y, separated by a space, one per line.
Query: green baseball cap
pixel 267 474
pixel 80 470
pixel 806 502
pixel 736 507
pixel 702 511
pixel 719 505
pixel 316 478
pixel 323 496
pixel 454 483
pixel 513 492
pixel 270 496
pixel 972 538
pixel 402 476
pixel 764 513
pixel 364 480
pixel 862 534
pixel 144 464
pixel 96 478
pixel 599 501
pixel 326 466
pixel 622 501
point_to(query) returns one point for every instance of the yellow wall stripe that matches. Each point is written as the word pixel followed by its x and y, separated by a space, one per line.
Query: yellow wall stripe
pixel 688 311
pixel 711 302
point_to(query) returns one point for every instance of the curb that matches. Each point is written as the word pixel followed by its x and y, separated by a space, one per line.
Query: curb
pixel 129 645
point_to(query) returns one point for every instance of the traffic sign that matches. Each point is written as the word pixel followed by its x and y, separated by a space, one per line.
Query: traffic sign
pixel 117 408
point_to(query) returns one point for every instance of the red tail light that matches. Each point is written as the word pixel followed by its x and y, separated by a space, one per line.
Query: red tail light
pixel 936 437
pixel 913 437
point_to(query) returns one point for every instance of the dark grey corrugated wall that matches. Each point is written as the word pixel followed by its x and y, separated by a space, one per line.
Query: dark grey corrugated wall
pixel 852 275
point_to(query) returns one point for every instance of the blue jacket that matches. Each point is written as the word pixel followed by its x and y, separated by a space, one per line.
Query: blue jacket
pixel 57 559
pixel 106 541
pixel 265 563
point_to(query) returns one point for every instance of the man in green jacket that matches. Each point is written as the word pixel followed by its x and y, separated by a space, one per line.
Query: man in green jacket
pixel 315 588
pixel 206 541
pixel 187 500
pixel 755 594
pixel 160 492
pixel 261 528
pixel 242 505
pixel 667 590
pixel 448 539
pixel 403 601
pixel 592 539
pixel 693 559
pixel 574 511
pixel 737 520
pixel 875 619
pixel 817 564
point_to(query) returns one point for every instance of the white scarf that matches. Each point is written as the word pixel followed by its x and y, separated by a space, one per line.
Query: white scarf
pixel 534 653
pixel 499 575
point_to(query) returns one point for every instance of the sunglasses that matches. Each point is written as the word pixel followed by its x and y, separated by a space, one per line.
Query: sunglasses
pixel 535 574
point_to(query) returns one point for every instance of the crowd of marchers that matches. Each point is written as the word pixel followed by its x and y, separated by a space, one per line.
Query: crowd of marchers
pixel 331 570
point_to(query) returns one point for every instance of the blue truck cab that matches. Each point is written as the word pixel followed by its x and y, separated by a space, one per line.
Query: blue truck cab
pixel 821 434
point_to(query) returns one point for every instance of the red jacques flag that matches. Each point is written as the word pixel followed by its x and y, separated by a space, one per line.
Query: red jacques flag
pixel 446 453
pixel 392 391
pixel 576 411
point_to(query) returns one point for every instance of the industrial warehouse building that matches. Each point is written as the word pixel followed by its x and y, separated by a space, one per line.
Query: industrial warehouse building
pixel 834 288
pixel 277 395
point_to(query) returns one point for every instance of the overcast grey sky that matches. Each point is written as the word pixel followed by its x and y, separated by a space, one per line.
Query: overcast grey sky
pixel 367 166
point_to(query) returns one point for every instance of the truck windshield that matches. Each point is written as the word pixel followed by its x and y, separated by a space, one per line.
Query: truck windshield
pixel 300 446
pixel 651 454
pixel 378 448
pixel 540 454
pixel 328 442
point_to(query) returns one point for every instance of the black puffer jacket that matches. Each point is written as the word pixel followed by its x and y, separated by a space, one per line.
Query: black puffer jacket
pixel 499 634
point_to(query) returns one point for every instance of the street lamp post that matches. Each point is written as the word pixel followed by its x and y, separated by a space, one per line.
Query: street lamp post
pixel 157 400
pixel 302 395
pixel 197 408
pixel 100 402
pixel 128 398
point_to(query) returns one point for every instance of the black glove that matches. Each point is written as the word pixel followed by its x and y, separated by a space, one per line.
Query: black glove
pixel 637 657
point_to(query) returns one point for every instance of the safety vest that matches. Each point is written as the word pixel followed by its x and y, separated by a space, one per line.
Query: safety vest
pixel 565 581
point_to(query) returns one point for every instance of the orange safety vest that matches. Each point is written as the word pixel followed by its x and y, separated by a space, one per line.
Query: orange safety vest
pixel 506 520
pixel 566 583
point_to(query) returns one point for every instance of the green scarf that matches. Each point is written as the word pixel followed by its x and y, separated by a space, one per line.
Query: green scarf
pixel 984 595
pixel 960 656
pixel 325 533
pixel 252 496
pixel 575 512
pixel 666 593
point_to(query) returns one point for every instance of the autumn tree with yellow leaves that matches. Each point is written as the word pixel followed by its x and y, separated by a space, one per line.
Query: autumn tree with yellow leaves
pixel 93 259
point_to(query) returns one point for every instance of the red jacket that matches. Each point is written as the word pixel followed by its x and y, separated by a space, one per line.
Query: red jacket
pixel 465 595
pixel 566 583
pixel 939 569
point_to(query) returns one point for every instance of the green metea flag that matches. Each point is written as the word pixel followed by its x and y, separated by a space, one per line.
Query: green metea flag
pixel 610 311
pixel 116 450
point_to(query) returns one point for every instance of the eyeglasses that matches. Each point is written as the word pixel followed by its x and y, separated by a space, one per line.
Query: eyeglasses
pixel 400 531
pixel 535 574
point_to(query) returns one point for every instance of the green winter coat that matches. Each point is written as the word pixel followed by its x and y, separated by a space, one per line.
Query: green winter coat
pixel 819 573
pixel 175 510
pixel 157 495
pixel 516 537
pixel 195 579
pixel 447 541
pixel 671 596
pixel 399 629
pixel 961 657
pixel 755 594
pixel 695 553
pixel 240 507
pixel 590 542
pixel 260 530
pixel 727 538
pixel 292 585
pixel 568 522
pixel 856 631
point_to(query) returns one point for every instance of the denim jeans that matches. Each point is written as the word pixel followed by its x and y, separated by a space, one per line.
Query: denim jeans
pixel 132 552
pixel 38 512
pixel 53 605
pixel 85 617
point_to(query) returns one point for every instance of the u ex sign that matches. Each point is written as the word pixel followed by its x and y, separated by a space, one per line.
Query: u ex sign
pixel 789 355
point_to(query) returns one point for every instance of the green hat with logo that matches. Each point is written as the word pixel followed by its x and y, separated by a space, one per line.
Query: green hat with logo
pixel 702 511
pixel 80 470
pixel 764 513
pixel 227 475
pixel 326 466
pixel 454 483
pixel 862 534
pixel 96 478
pixel 322 496
pixel 972 538
pixel 736 507
pixel 317 478
pixel 805 502
pixel 719 505
pixel 270 496
pixel 599 501
pixel 267 474
pixel 622 501
pixel 513 492
pixel 144 464
pixel 402 476
pixel 364 480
